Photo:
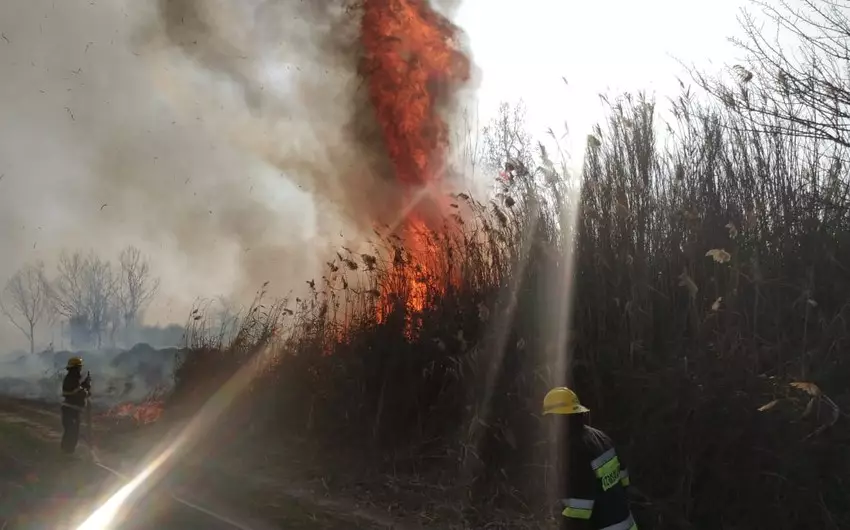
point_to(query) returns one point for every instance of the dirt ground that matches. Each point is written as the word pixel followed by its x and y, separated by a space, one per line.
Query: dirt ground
pixel 41 488
pixel 254 487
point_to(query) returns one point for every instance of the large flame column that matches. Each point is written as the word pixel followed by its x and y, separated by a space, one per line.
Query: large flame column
pixel 411 63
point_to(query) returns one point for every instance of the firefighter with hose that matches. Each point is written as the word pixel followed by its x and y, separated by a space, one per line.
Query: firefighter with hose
pixel 75 392
pixel 593 495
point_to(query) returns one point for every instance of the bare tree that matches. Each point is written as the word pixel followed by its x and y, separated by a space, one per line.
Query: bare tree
pixel 466 147
pixel 136 286
pixel 796 80
pixel 69 293
pixel 85 292
pixel 26 300
pixel 508 146
pixel 524 166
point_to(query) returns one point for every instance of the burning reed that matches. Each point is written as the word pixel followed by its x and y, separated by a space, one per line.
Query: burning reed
pixel 708 275
pixel 676 345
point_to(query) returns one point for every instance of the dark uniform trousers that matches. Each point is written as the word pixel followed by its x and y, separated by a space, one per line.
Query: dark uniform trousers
pixel 71 428
pixel 72 408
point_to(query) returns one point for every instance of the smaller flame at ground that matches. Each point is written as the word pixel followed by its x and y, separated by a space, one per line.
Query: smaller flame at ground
pixel 142 413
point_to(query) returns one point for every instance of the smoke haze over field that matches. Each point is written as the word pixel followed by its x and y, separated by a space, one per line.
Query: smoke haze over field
pixel 226 139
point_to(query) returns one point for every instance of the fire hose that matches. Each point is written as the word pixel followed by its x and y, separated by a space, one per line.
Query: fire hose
pixel 96 461
pixel 179 500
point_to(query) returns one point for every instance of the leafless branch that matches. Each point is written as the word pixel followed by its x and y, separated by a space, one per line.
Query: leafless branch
pixel 26 300
pixel 136 287
pixel 795 81
pixel 85 292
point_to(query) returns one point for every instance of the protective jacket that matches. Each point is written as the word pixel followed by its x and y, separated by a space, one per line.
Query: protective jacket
pixel 596 484
pixel 73 391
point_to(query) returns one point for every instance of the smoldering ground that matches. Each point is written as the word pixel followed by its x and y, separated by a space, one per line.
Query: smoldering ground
pixel 118 376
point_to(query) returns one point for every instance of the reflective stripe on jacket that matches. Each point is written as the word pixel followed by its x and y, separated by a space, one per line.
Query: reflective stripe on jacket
pixel 596 483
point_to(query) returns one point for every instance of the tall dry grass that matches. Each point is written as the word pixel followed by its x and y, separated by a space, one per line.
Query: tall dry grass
pixel 712 270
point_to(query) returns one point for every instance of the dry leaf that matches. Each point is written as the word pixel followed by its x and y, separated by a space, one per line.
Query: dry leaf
pixel 719 255
pixel 812 302
pixel 733 231
pixel 716 305
pixel 483 312
pixel 809 388
pixel 749 219
pixel 687 282
pixel 810 406
pixel 510 438
pixel 743 75
pixel 768 406
pixel 462 340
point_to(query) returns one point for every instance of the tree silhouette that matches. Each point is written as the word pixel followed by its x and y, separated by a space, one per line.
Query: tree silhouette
pixel 26 300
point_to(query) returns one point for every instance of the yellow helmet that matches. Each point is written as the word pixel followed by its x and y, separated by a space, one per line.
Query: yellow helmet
pixel 562 400
pixel 74 362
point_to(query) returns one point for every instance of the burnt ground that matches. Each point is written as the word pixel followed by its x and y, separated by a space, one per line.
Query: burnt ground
pixel 41 488
pixel 290 483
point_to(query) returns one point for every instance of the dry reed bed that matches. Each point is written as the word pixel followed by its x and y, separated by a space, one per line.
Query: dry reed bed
pixel 712 269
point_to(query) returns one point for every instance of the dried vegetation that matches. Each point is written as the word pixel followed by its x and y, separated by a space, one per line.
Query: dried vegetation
pixel 708 332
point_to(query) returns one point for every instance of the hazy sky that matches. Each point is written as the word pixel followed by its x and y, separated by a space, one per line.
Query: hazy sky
pixel 107 139
pixel 525 47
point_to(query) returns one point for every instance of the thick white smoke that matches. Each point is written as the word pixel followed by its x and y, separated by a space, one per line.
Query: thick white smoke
pixel 217 136
pixel 230 140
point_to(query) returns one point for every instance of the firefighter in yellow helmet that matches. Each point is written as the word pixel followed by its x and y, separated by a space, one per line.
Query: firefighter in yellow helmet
pixel 593 493
pixel 75 394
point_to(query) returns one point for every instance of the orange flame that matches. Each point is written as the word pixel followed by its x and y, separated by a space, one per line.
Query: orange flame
pixel 411 63
pixel 142 413
pixel 410 276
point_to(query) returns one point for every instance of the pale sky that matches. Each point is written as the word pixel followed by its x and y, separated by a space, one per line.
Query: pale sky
pixel 525 48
